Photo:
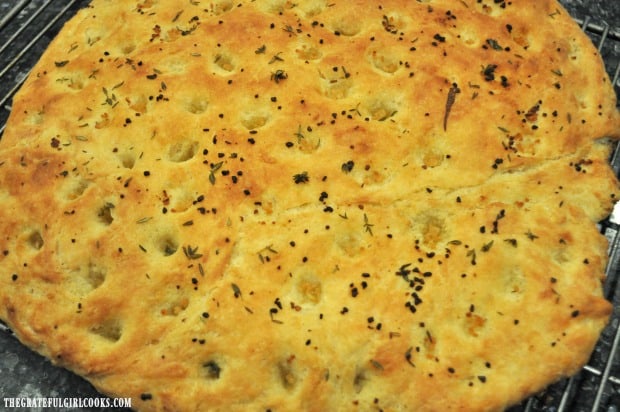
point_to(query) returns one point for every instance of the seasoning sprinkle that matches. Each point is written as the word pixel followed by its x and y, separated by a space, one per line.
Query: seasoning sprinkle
pixel 301 178
pixel 454 90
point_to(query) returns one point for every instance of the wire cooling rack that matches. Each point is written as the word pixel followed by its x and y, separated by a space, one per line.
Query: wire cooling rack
pixel 27 27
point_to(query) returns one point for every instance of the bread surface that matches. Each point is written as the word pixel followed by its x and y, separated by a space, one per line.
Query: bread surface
pixel 312 205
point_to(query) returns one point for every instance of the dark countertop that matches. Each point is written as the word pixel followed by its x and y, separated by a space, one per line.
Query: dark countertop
pixel 600 10
pixel 25 374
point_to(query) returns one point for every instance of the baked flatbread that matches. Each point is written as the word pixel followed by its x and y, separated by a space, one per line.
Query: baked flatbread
pixel 312 205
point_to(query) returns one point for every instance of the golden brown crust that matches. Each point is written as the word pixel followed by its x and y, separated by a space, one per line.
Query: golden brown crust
pixel 284 206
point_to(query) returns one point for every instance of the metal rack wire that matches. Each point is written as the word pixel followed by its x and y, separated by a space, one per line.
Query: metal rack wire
pixel 27 27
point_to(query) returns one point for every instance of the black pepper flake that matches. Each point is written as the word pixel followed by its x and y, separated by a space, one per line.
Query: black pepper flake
pixel 301 178
pixel 416 299
pixel 439 38
pixel 14 277
pixel 574 313
pixel 347 167
pixel 146 396
pixel 489 72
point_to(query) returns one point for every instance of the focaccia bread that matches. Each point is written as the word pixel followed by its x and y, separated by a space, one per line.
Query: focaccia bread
pixel 311 206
